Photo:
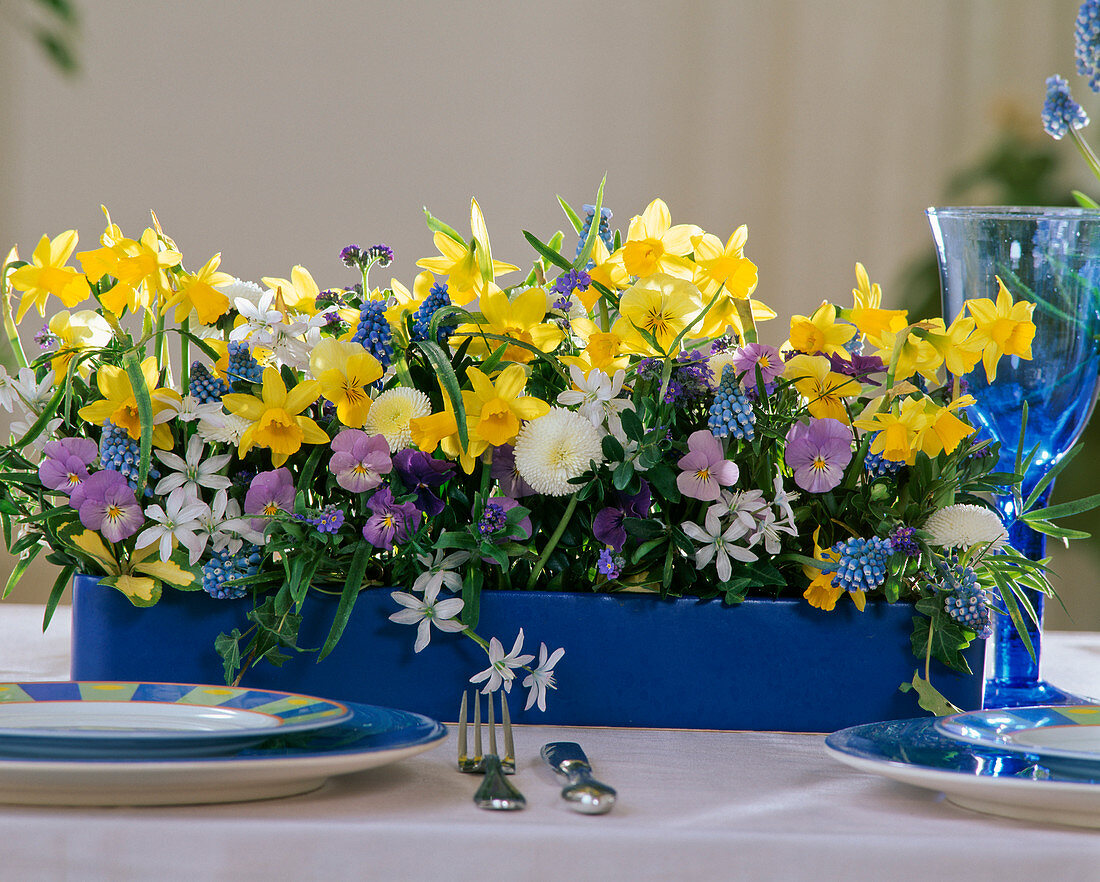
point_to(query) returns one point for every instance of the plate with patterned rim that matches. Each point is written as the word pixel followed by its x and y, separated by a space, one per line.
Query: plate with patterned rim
pixel 285 765
pixel 988 781
pixel 122 720
pixel 1065 738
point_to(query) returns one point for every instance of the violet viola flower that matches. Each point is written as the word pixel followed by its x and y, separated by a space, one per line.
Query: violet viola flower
pixel 607 526
pixel 753 355
pixel 391 523
pixel 422 474
pixel 107 504
pixel 359 460
pixel 705 469
pixel 66 463
pixel 506 475
pixel 268 494
pixel 859 366
pixel 818 453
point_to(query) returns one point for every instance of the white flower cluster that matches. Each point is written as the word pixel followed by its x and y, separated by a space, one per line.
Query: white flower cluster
pixel 964 526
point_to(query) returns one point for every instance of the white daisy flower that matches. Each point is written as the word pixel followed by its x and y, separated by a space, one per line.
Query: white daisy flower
pixel 500 671
pixel 427 612
pixel 224 428
pixel 555 448
pixel 391 413
pixel 964 526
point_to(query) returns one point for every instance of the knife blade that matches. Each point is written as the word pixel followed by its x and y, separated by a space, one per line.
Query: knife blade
pixel 583 793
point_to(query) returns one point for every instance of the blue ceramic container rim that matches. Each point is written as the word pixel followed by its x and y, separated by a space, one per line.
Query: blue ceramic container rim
pixel 1014 211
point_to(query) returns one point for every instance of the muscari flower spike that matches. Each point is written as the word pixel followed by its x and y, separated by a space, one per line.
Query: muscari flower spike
pixel 863 563
pixel 604 230
pixel 731 414
pixel 422 319
pixel 204 386
pixel 966 602
pixel 1060 111
pixel 373 332
pixel 878 466
pixel 121 453
pixel 243 368
pixel 224 566
pixel 1086 39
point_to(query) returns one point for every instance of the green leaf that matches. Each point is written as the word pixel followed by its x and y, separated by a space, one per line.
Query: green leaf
pixel 546 251
pixel 145 416
pixel 593 231
pixel 472 581
pixel 574 218
pixel 1044 482
pixel 1057 532
pixel 1063 510
pixel 449 383
pixel 632 425
pixel 622 476
pixel 612 449
pixel 58 589
pixel 1084 200
pixel 643 528
pixel 20 567
pixel 357 569
pixel 228 646
pixel 437 226
pixel 928 697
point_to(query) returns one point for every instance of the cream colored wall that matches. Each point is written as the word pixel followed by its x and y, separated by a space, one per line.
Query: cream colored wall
pixel 277 132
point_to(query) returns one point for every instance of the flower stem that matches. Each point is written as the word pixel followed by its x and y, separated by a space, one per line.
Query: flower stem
pixel 554 539
pixel 1090 158
pixel 9 322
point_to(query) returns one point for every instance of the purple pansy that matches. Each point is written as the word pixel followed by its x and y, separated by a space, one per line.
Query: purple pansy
pixel 391 523
pixel 66 463
pixel 753 355
pixel 607 526
pixel 268 494
pixel 359 460
pixel 504 472
pixel 107 504
pixel 859 366
pixel 705 470
pixel 818 453
pixel 422 474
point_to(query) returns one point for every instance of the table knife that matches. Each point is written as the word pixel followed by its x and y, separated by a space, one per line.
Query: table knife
pixel 583 793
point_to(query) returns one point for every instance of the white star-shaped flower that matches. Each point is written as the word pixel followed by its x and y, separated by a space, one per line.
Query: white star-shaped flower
pixel 542 678
pixel 500 671
pixel 194 471
pixel 427 611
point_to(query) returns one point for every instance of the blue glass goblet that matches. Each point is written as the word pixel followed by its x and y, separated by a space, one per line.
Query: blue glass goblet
pixel 1049 257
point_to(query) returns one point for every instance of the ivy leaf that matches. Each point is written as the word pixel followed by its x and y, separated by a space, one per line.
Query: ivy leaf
pixel 228 647
pixel 929 697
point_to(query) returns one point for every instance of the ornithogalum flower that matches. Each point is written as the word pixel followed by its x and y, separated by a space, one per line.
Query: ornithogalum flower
pixel 193 471
pixel 704 468
pixel 718 544
pixel 501 670
pixel 818 452
pixel 359 460
pixel 106 504
pixel 177 521
pixel 427 611
pixel 47 274
pixel 542 677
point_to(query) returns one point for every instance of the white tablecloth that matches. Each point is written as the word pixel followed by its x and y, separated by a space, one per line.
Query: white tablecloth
pixel 693 805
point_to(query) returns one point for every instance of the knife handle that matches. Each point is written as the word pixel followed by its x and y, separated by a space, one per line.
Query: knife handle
pixel 585 794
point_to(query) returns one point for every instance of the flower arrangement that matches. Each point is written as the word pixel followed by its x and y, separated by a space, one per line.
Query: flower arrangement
pixel 613 421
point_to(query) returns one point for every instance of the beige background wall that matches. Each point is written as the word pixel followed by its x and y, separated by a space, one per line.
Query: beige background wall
pixel 277 132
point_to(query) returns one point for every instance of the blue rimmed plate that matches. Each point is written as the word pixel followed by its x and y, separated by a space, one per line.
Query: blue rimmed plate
pixel 122 720
pixel 1066 739
pixel 279 766
pixel 983 780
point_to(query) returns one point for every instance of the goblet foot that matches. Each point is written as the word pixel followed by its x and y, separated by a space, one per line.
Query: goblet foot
pixel 1001 693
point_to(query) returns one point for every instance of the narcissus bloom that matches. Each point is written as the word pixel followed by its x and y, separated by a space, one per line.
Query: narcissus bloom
pixel 717 264
pixel 198 293
pixel 119 403
pixel 821 332
pixel 519 319
pixel 276 417
pixel 497 408
pixel 654 245
pixel 299 291
pixel 1001 328
pixel 461 263
pixel 47 274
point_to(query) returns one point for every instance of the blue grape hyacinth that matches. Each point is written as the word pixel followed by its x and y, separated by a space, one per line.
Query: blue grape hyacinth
pixel 373 332
pixel 224 567
pixel 1060 112
pixel 732 414
pixel 863 564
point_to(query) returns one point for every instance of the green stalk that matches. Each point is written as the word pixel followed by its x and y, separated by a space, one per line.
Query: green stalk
pixel 10 329
pixel 554 539
pixel 185 355
pixel 1090 158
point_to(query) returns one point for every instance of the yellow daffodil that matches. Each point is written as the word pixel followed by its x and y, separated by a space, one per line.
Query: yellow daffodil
pixel 914 354
pixel 654 245
pixel 85 329
pixel 661 305
pixel 47 274
pixel 823 388
pixel 198 293
pixel 406 301
pixel 602 349
pixel 460 263
pixel 821 333
pixel 440 431
pixel 299 291
pixel 140 268
pixel 276 417
pixel 607 270
pixel 519 319
pixel 119 403
pixel 944 430
pixel 865 295
pixel 726 265
pixel 1001 328
pixel 953 344
pixel 897 433
pixel 497 409
pixel 345 371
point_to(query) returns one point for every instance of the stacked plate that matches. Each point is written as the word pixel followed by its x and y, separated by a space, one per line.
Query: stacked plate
pixel 100 743
pixel 1034 763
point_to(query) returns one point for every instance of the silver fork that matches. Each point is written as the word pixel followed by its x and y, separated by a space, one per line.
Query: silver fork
pixel 495 792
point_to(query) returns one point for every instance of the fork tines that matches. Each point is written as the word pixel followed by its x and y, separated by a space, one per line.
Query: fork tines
pixel 476 761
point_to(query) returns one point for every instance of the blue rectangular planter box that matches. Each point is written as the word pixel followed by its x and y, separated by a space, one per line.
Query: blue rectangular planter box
pixel 630 659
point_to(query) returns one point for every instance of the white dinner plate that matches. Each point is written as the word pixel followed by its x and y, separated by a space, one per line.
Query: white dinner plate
pixel 126 720
pixel 987 781
pixel 1066 738
pixel 280 766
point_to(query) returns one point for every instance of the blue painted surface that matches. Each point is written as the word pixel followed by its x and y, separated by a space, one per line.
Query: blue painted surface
pixel 630 660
